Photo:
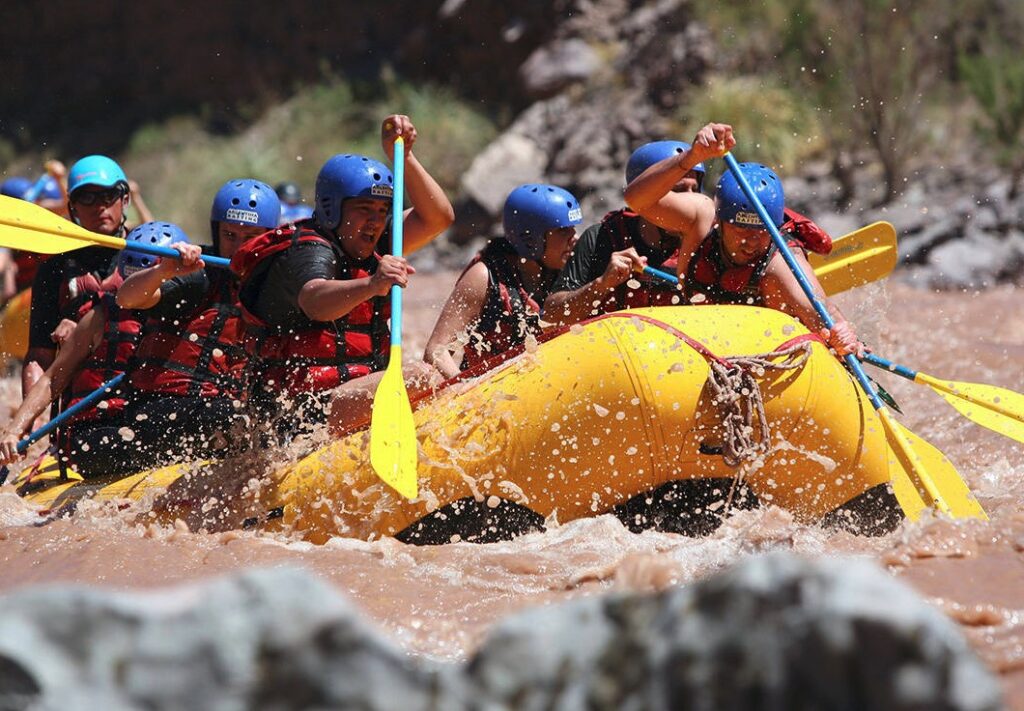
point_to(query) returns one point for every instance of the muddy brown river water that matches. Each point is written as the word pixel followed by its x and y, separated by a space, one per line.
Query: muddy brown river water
pixel 440 601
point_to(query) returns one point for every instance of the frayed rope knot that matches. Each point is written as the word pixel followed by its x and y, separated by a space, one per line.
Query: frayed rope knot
pixel 736 393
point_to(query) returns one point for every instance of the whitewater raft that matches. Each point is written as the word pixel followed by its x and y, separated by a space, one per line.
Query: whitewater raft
pixel 614 415
pixel 14 326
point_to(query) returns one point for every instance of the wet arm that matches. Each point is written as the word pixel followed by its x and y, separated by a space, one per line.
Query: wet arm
pixel 431 213
pixel 460 311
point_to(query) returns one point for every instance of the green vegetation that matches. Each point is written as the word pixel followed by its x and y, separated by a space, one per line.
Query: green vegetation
pixel 995 78
pixel 179 163
pixel 772 127
pixel 875 72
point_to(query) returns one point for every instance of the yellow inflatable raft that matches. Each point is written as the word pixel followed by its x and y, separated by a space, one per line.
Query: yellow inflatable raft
pixel 14 326
pixel 615 415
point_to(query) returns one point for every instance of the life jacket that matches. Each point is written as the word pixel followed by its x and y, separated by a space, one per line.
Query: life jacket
pixel 81 285
pixel 306 356
pixel 509 312
pixel 122 333
pixel 710 275
pixel 623 226
pixel 810 236
pixel 28 264
pixel 197 355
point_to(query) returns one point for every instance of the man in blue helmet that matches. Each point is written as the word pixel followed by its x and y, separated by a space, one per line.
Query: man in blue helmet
pixel 727 254
pixel 97 200
pixel 605 271
pixel 188 378
pixel 314 296
pixel 495 305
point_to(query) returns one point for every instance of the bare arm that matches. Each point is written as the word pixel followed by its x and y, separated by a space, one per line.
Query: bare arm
pixel 330 299
pixel 431 213
pixel 781 290
pixel 460 311
pixel 52 382
pixel 140 205
pixel 142 289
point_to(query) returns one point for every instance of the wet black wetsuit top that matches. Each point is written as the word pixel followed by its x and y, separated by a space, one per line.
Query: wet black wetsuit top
pixel 52 276
pixel 593 251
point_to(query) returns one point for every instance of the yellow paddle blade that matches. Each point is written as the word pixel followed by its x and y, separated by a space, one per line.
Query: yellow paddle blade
pixel 393 444
pixel 932 474
pixel 858 258
pixel 999 409
pixel 26 226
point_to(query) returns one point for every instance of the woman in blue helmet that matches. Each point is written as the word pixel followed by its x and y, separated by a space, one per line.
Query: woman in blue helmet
pixel 727 255
pixel 101 346
pixel 97 200
pixel 314 294
pixel 496 304
pixel 188 377
pixel 605 272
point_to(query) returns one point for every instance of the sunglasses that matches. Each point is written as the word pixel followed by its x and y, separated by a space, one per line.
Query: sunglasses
pixel 103 197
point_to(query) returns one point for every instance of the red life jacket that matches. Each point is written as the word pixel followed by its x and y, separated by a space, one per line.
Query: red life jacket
pixel 198 355
pixel 122 333
pixel 28 264
pixel 710 273
pixel 509 312
pixel 77 292
pixel 806 231
pixel 307 356
pixel 623 226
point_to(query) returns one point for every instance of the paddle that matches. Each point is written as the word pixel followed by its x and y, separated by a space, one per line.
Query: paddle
pixel 998 409
pixel 83 404
pixel 393 443
pixel 934 476
pixel 857 258
pixel 31 228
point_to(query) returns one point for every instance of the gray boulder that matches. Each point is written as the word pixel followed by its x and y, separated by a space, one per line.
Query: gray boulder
pixel 775 632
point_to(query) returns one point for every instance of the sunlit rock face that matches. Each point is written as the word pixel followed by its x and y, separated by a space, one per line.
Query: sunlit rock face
pixel 775 631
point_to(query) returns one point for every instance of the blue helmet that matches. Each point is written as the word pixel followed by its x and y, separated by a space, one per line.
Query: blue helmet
pixel 160 234
pixel 650 153
pixel 290 214
pixel 246 202
pixel 531 210
pixel 733 205
pixel 349 176
pixel 15 187
pixel 96 170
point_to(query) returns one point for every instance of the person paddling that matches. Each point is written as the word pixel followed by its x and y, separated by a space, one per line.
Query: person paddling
pixel 604 272
pixel 97 200
pixel 188 378
pixel 314 296
pixel 727 255
pixel 495 304
pixel 99 347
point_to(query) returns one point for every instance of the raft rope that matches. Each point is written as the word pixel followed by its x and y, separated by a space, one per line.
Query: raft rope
pixel 736 393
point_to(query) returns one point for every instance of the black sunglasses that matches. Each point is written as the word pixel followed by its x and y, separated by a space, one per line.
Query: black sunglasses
pixel 104 197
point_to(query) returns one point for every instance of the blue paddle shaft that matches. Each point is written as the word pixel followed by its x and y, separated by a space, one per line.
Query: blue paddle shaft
pixel 664 276
pixel 901 370
pixel 175 254
pixel 83 404
pixel 397 208
pixel 794 266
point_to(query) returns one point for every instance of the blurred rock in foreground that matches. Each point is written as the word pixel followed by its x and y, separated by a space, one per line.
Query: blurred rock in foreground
pixel 774 632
